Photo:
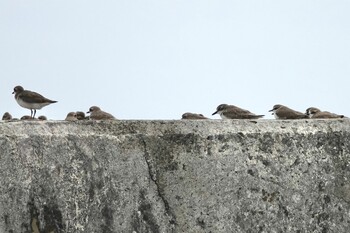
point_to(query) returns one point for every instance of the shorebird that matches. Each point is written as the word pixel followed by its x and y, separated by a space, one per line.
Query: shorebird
pixel 30 100
pixel 71 116
pixel 81 116
pixel 233 112
pixel 282 112
pixel 7 116
pixel 42 118
pixel 27 117
pixel 314 113
pixel 97 114
pixel 193 116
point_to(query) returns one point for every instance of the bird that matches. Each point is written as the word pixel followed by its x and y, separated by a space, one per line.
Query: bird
pixel 30 100
pixel 7 116
pixel 233 112
pixel 97 114
pixel 42 118
pixel 81 115
pixel 71 116
pixel 27 117
pixel 314 113
pixel 282 112
pixel 192 116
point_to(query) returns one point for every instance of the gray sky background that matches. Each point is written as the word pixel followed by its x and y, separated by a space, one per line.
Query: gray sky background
pixel 158 59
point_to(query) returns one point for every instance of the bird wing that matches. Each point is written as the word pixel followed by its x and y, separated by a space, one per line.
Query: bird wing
pixel 327 115
pixel 101 115
pixel 33 97
pixel 196 116
pixel 240 113
pixel 238 110
pixel 287 113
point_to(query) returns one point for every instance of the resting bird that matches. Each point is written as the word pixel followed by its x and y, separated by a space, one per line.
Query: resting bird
pixel 314 113
pixel 282 112
pixel 81 116
pixel 233 112
pixel 97 114
pixel 193 116
pixel 7 116
pixel 71 116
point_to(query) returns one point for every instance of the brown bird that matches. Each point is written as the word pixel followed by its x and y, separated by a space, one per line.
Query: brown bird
pixel 97 114
pixel 42 118
pixel 314 113
pixel 7 116
pixel 282 112
pixel 233 112
pixel 81 116
pixel 27 117
pixel 193 116
pixel 30 100
pixel 71 116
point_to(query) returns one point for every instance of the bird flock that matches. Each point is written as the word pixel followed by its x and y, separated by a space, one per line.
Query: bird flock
pixel 279 111
pixel 34 101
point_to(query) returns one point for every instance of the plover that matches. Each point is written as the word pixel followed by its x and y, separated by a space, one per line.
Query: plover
pixel 71 116
pixel 97 114
pixel 7 116
pixel 42 118
pixel 81 116
pixel 282 112
pixel 30 100
pixel 233 112
pixel 193 116
pixel 314 113
pixel 27 117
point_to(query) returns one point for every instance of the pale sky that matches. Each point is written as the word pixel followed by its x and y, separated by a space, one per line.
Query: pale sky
pixel 139 59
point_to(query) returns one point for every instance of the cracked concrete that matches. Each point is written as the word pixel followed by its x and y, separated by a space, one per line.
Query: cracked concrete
pixel 175 176
pixel 153 177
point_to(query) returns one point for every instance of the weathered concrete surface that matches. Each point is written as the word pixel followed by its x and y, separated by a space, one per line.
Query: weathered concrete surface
pixel 175 176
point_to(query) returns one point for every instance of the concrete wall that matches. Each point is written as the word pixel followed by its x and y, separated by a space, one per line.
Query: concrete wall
pixel 175 176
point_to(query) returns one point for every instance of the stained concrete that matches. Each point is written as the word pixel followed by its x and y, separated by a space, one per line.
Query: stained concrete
pixel 175 176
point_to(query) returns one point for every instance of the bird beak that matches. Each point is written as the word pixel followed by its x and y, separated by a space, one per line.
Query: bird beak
pixel 271 110
pixel 214 113
pixel 13 92
pixel 88 112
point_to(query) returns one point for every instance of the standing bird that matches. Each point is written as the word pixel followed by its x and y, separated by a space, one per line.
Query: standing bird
pixel 192 116
pixel 71 116
pixel 7 116
pixel 317 113
pixel 282 112
pixel 233 112
pixel 30 100
pixel 97 114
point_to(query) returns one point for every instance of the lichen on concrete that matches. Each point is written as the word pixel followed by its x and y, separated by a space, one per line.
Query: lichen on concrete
pixel 175 176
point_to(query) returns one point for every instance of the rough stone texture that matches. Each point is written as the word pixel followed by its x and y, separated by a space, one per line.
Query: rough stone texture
pixel 175 176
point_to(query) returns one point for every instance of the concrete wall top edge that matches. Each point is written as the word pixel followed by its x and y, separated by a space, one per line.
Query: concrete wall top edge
pixel 161 127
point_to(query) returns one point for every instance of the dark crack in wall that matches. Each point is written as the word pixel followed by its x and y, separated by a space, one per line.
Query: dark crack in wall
pixel 175 176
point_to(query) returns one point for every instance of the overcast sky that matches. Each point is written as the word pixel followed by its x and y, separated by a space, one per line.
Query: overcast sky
pixel 157 59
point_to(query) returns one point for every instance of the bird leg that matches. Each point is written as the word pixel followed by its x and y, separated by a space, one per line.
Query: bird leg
pixel 31 113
